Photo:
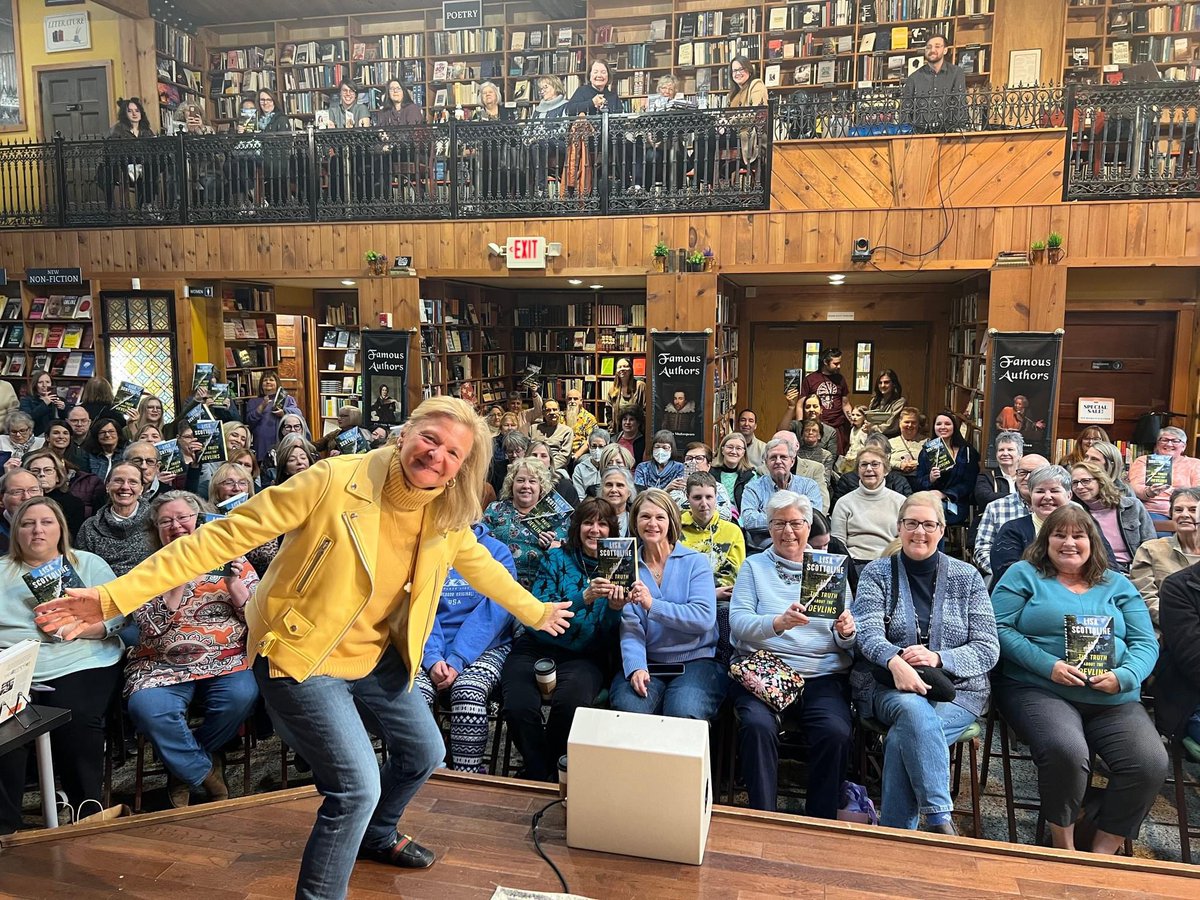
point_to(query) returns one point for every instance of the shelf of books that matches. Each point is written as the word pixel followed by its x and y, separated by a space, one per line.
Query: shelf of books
pixel 181 63
pixel 966 385
pixel 249 342
pixel 462 344
pixel 725 360
pixel 57 334
pixel 1104 37
pixel 339 339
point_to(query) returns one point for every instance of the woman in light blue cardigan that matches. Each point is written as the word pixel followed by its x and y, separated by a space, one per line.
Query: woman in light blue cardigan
pixel 670 618
pixel 85 674
pixel 920 607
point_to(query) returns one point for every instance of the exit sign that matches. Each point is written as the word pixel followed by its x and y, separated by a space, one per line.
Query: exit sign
pixel 525 252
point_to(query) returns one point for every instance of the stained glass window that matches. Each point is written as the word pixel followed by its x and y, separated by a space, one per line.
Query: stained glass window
pixel 139 341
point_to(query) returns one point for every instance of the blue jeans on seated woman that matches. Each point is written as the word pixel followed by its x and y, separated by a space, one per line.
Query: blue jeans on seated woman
pixel 696 694
pixel 916 756
pixel 326 721
pixel 161 714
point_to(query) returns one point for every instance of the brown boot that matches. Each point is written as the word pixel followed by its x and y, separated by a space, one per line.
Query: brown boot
pixel 178 792
pixel 214 781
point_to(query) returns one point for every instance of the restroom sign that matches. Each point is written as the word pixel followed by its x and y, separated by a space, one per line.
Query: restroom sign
pixel 1096 411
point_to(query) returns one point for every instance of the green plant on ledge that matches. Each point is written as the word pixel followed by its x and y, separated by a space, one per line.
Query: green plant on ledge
pixel 661 250
pixel 1054 241
pixel 1038 245
pixel 695 261
pixel 376 260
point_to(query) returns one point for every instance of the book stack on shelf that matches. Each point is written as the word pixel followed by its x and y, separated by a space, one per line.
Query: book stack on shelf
pixel 725 360
pixel 237 71
pixel 967 384
pixel 461 350
pixel 57 334
pixel 249 340
pixel 1103 37
pixel 180 60
pixel 339 368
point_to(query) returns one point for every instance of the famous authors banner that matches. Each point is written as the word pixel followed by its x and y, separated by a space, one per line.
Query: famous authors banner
pixel 677 380
pixel 1024 387
pixel 385 377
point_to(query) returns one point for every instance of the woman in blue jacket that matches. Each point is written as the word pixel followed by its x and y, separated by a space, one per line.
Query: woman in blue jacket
pixel 465 652
pixel 671 619
pixel 955 484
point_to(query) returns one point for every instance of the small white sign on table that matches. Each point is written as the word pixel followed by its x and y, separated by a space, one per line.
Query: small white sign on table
pixel 1096 411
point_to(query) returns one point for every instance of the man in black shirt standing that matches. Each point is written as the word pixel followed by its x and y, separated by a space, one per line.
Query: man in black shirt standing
pixel 934 96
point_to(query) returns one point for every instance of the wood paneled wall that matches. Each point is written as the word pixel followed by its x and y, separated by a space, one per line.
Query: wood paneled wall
pixel 1157 232
pixel 998 169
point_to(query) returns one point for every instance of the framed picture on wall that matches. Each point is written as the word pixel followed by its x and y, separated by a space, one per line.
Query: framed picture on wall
pixel 12 113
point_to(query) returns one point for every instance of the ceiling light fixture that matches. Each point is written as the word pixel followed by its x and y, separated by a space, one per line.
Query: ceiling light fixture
pixel 575 281
pixel 349 282
pixel 595 287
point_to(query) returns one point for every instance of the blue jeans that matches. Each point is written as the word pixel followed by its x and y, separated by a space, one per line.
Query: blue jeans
pixel 696 694
pixel 161 714
pixel 324 720
pixel 916 756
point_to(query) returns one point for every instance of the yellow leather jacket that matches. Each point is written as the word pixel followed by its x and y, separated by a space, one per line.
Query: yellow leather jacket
pixel 323 576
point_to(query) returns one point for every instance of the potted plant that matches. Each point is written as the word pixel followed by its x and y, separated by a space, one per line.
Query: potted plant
pixel 377 261
pixel 1037 252
pixel 695 261
pixel 1054 246
pixel 661 251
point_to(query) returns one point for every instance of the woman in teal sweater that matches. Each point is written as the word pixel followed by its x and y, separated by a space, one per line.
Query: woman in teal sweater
pixel 583 655
pixel 1067 708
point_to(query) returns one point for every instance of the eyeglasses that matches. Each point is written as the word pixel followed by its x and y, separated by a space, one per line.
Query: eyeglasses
pixel 699 457
pixel 37 473
pixel 776 457
pixel 15 431
pixel 1024 473
pixel 236 485
pixel 175 520
pixel 1171 440
pixel 870 464
pixel 1082 482
pixel 293 427
pixel 24 492
pixel 914 524
pixel 793 526
pixel 143 460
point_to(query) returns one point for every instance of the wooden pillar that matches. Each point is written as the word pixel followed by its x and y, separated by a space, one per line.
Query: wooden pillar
pixel 685 301
pixel 399 296
pixel 1032 298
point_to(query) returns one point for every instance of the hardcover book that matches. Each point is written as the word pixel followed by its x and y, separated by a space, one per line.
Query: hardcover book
pixel 212 441
pixel 202 376
pixel 548 513
pixel 939 456
pixel 530 378
pixel 50 581
pixel 792 379
pixel 219 393
pixel 618 560
pixel 1158 471
pixel 823 584
pixel 127 397
pixel 170 459
pixel 277 401
pixel 1090 645
pixel 352 441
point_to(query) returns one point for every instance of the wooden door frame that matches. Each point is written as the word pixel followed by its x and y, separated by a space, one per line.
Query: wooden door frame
pixel 105 64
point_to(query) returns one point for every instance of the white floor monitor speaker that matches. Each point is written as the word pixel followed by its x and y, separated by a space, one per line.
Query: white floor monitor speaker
pixel 639 785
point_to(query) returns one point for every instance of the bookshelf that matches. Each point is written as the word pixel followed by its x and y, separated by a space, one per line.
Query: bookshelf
pixel 58 334
pixel 966 385
pixel 339 339
pixel 248 342
pixel 463 343
pixel 1101 35
pixel 822 45
pixel 181 62
pixel 725 359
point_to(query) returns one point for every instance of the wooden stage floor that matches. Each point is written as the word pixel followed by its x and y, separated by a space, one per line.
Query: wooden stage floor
pixel 250 848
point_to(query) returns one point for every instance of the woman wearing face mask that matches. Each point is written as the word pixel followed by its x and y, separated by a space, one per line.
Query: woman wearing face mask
pixel 956 484
pixel 662 468
pixel 586 474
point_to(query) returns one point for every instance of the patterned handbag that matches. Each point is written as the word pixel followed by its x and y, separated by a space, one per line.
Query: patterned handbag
pixel 769 679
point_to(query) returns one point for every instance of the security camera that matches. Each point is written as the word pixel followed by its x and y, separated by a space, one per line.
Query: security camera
pixel 496 249
pixel 862 250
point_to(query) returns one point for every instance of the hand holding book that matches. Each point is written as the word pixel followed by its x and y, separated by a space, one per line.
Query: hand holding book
pixel 790 618
pixel 1066 674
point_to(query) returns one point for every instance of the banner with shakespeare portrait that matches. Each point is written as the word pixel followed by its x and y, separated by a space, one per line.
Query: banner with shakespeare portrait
pixel 385 377
pixel 1024 389
pixel 677 385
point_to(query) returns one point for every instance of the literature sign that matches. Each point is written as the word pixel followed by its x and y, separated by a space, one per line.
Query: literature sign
pixel 1023 383
pixel 53 277
pixel 677 384
pixel 385 377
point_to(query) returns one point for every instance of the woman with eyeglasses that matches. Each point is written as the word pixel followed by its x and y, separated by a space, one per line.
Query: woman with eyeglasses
pixel 117 533
pixel 84 674
pixel 191 657
pixel 1088 438
pixel 149 411
pixel 1123 520
pixel 1157 560
pixel 274 154
pixel 51 473
pixel 918 607
pixel 18 439
pixel 104 444
pixel 87 488
pixel 865 519
pixel 228 481
pixel 1184 472
pixel 1066 716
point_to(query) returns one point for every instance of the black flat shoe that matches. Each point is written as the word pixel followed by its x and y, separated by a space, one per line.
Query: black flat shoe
pixel 405 853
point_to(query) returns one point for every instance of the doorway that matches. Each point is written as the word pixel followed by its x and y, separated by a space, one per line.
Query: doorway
pixel 894 345
pixel 74 102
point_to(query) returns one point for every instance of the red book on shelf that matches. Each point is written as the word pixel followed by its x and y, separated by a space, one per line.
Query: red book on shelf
pixel 639 366
pixel 55 337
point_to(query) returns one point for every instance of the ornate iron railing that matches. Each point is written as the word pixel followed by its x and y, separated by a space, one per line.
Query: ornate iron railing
pixel 676 161
pixel 1129 141
pixel 887 110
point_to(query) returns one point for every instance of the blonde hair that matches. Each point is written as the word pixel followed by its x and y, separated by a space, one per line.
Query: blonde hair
pixel 17 555
pixel 458 506
pixel 920 498
pixel 534 467
pixel 224 470
pixel 615 455
pixel 1108 492
pixel 663 501
pixel 228 428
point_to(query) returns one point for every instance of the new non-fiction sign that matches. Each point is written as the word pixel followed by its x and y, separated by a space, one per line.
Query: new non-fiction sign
pixel 1024 384
pixel 525 252
pixel 677 385
pixel 385 377
pixel 53 277
pixel 459 14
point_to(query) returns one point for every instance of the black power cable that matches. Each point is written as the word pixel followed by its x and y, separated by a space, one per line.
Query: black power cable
pixel 537 818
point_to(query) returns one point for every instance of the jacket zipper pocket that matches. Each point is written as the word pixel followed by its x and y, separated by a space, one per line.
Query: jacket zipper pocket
pixel 310 569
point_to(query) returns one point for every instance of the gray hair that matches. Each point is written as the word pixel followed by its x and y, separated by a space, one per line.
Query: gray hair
pixel 1192 493
pixel 1050 473
pixel 772 444
pixel 1169 430
pixel 875 439
pixel 491 84
pixel 1011 437
pixel 131 450
pixel 196 504
pixel 667 79
pixel 624 473
pixel 515 441
pixel 599 432
pixel 7 475
pixel 666 437
pixel 18 418
pixel 781 500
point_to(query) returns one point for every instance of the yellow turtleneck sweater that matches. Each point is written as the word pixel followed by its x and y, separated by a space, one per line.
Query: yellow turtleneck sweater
pixel 402 513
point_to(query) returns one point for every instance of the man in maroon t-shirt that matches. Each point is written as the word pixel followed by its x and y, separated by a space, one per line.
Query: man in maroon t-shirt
pixel 833 392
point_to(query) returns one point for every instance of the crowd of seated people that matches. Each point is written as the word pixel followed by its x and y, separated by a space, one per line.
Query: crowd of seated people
pixel 722 552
